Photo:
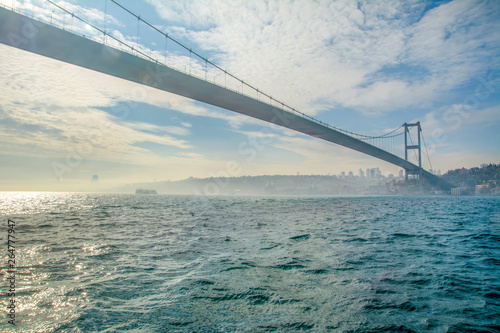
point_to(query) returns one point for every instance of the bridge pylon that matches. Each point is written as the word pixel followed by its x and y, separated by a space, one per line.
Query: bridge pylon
pixel 412 146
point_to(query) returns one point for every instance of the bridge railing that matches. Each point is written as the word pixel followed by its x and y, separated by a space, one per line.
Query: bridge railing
pixel 195 65
pixel 255 92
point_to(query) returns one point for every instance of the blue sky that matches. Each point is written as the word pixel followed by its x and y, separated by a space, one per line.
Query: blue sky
pixel 365 66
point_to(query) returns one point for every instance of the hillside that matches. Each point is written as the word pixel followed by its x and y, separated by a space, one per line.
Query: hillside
pixel 478 180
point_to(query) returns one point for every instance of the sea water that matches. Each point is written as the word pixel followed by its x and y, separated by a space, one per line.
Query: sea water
pixel 139 263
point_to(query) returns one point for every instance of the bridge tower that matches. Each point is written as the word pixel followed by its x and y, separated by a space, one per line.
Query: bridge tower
pixel 408 127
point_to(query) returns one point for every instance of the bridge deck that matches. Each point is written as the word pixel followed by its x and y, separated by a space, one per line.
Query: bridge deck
pixel 30 35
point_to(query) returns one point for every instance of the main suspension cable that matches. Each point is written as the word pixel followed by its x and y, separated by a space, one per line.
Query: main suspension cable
pixel 426 151
pixel 391 134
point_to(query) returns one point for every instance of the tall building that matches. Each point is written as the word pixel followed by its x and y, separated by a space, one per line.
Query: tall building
pixel 361 174
pixel 373 173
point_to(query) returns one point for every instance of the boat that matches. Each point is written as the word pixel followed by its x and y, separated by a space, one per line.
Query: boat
pixel 145 191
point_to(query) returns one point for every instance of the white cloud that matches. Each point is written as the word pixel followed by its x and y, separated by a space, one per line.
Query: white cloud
pixel 258 134
pixel 457 117
pixel 158 130
pixel 52 107
pixel 195 156
pixel 309 54
pixel 318 55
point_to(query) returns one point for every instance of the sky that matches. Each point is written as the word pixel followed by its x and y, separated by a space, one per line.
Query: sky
pixel 363 66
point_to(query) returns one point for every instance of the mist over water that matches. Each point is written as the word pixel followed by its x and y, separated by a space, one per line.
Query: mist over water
pixel 138 263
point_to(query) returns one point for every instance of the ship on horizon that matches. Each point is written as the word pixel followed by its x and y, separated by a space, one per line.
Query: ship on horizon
pixel 145 191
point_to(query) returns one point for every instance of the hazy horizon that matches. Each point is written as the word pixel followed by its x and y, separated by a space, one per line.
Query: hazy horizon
pixel 365 67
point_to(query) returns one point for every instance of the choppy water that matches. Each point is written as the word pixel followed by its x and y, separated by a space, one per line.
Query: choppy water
pixel 126 263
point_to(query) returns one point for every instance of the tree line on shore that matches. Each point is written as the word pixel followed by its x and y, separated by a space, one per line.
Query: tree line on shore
pixel 484 179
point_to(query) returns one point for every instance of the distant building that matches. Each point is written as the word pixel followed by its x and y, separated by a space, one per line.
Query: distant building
pixel 361 174
pixel 401 173
pixel 94 178
pixel 373 173
pixel 481 189
pixel 457 191
pixel 351 174
pixel 378 190
pixel 484 165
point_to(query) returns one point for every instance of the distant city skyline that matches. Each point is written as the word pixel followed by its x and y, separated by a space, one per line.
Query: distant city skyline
pixel 361 66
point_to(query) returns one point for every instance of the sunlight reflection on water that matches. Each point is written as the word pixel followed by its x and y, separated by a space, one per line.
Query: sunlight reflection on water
pixel 48 290
pixel 91 263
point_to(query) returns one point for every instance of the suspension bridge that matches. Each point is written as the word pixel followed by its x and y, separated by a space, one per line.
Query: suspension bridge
pixel 73 39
